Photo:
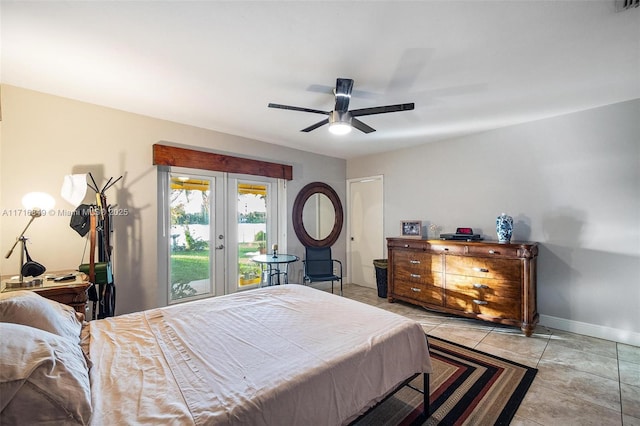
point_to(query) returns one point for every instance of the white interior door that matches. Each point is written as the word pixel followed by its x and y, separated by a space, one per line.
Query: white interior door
pixel 365 225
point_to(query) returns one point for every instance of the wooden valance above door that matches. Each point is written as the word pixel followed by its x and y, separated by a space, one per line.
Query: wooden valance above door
pixel 164 155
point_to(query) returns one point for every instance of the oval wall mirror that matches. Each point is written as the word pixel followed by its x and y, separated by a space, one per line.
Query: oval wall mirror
pixel 317 215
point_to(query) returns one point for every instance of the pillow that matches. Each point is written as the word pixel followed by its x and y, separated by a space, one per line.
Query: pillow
pixel 85 340
pixel 43 378
pixel 29 308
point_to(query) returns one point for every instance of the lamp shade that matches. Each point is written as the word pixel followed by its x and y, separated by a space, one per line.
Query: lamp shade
pixel 38 201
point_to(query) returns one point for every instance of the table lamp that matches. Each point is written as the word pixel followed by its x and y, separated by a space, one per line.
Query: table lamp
pixel 36 204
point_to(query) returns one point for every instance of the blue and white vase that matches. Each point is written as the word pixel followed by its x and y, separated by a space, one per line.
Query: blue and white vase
pixel 504 228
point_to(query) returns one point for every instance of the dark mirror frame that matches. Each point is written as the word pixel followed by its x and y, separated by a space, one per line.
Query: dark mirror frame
pixel 298 207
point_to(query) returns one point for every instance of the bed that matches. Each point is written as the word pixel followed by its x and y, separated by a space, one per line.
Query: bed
pixel 280 355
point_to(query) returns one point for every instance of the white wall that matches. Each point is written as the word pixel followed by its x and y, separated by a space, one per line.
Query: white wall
pixel 45 137
pixel 571 183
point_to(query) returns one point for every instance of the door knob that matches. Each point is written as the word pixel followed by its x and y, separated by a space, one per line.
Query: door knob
pixel 220 247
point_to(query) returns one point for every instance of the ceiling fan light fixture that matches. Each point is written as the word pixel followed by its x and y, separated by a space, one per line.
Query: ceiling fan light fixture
pixel 341 120
pixel 339 123
pixel 340 128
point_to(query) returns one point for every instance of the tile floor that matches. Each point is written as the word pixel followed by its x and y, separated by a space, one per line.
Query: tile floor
pixel 581 380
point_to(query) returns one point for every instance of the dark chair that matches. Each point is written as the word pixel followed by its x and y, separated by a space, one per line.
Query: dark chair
pixel 319 266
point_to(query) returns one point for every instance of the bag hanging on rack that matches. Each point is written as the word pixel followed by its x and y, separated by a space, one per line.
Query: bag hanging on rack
pixel 103 274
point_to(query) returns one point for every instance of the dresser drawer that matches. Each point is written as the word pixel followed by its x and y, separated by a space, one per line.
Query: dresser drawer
pixel 446 247
pixel 419 290
pixel 416 262
pixel 493 250
pixel 412 275
pixel 483 267
pixel 407 244
pixel 484 296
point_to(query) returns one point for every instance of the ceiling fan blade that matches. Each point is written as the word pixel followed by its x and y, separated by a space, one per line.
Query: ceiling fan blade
pixel 294 108
pixel 315 126
pixel 361 126
pixel 344 86
pixel 382 109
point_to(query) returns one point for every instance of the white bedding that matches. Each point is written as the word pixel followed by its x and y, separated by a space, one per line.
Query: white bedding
pixel 282 355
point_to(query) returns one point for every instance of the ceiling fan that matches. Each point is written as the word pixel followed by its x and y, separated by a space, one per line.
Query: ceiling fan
pixel 341 119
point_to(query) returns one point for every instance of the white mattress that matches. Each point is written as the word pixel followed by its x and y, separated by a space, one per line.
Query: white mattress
pixel 282 355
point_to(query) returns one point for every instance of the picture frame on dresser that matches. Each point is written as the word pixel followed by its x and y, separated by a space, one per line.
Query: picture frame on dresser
pixel 411 228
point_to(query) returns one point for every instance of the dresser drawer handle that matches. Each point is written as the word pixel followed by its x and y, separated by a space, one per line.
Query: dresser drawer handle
pixel 417 290
pixel 481 269
pixel 415 275
pixel 493 252
pixel 406 246
pixel 477 285
pixel 480 302
pixel 445 249
pixel 415 262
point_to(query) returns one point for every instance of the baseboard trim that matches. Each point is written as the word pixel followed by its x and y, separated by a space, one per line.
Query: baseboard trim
pixel 593 330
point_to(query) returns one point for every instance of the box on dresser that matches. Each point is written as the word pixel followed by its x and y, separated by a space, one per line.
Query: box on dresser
pixel 489 281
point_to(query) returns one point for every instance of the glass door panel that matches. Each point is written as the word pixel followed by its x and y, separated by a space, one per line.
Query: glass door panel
pixel 190 253
pixel 252 231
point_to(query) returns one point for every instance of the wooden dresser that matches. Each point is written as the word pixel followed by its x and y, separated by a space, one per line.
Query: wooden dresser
pixel 484 280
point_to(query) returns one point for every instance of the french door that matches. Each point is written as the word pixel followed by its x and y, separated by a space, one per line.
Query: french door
pixel 253 228
pixel 211 224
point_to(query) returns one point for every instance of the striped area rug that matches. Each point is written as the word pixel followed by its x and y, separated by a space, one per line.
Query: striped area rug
pixel 468 387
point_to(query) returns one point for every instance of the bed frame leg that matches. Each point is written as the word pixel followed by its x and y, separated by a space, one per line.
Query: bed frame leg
pixel 425 395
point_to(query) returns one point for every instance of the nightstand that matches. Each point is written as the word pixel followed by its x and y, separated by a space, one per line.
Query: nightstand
pixel 72 292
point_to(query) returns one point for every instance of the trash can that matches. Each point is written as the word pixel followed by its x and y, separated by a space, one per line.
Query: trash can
pixel 381 276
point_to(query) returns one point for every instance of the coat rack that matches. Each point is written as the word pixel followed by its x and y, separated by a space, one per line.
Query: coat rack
pixel 103 290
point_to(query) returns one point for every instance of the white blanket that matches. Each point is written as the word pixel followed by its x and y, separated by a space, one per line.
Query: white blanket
pixel 274 356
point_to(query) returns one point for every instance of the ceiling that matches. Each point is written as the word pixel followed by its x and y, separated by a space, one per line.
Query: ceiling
pixel 469 66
